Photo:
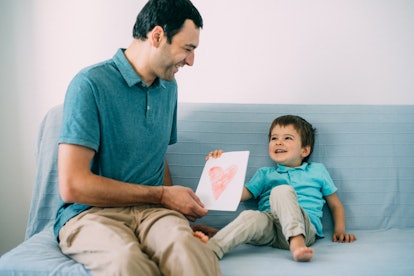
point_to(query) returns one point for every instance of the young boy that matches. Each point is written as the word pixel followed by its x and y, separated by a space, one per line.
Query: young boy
pixel 290 198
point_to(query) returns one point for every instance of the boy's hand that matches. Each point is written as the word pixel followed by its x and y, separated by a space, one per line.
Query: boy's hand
pixel 343 237
pixel 214 154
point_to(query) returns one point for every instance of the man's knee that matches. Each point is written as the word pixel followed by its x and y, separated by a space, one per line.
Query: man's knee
pixel 189 256
pixel 123 260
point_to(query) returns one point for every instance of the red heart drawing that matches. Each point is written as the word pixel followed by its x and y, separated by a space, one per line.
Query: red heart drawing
pixel 220 179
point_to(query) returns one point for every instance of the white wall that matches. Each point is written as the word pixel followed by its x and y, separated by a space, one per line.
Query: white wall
pixel 262 51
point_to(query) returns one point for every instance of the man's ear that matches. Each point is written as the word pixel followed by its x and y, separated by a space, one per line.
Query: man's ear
pixel 306 151
pixel 156 36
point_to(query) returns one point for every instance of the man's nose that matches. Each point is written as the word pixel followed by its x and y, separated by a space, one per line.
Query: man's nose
pixel 190 59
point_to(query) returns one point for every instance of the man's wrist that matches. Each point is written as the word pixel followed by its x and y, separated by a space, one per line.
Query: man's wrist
pixel 162 194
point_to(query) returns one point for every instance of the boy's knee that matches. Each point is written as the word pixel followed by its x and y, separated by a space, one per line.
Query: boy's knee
pixel 283 191
pixel 247 215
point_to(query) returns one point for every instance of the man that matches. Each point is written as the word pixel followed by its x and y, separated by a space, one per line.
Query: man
pixel 117 217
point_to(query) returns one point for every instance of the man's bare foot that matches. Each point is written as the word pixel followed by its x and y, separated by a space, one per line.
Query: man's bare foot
pixel 300 252
pixel 201 236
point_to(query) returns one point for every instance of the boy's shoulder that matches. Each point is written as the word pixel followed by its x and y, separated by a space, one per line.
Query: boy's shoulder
pixel 314 165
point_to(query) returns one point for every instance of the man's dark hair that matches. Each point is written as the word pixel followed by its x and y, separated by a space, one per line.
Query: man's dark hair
pixel 169 14
pixel 305 130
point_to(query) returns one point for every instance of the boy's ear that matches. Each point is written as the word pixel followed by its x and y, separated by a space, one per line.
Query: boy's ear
pixel 306 151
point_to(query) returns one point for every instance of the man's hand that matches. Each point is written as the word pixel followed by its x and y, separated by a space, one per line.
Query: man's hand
pixel 185 201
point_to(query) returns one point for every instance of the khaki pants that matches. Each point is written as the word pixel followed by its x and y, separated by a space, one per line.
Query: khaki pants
pixel 285 220
pixel 143 240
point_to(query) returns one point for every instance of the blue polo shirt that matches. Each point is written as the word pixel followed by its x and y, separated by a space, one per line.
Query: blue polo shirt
pixel 311 182
pixel 129 125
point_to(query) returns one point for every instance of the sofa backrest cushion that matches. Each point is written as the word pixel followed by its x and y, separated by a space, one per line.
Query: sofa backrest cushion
pixel 45 197
pixel 368 151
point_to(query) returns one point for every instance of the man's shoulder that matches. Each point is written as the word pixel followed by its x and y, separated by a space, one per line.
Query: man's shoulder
pixel 97 68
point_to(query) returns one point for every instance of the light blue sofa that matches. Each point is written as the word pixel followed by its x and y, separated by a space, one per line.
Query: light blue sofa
pixel 369 151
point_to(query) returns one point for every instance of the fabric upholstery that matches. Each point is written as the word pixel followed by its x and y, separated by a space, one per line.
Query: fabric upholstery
pixel 368 150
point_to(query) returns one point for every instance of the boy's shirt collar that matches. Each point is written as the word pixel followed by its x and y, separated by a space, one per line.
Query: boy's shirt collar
pixel 283 169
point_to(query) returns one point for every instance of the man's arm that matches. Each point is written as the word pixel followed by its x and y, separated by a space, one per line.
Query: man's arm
pixel 167 175
pixel 78 184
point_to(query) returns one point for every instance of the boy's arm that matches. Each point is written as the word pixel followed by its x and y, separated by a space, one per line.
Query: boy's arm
pixel 338 216
pixel 246 195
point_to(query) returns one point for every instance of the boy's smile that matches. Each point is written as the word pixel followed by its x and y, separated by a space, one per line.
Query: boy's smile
pixel 285 146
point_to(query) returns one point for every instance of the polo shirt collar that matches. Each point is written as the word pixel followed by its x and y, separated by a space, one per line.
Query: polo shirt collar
pixel 283 169
pixel 128 72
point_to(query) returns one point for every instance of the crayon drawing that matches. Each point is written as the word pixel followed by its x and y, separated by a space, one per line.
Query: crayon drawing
pixel 220 178
pixel 222 181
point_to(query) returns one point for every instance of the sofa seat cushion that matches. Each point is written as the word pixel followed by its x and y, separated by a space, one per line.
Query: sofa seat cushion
pixel 39 255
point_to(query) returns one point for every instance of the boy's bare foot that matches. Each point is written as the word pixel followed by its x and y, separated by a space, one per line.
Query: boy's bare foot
pixel 201 236
pixel 203 232
pixel 207 230
pixel 300 252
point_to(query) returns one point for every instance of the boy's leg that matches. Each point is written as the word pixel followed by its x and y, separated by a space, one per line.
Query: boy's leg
pixel 249 227
pixel 292 218
pixel 168 239
pixel 298 232
pixel 100 239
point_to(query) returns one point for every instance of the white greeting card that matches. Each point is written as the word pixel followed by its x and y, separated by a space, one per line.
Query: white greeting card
pixel 222 180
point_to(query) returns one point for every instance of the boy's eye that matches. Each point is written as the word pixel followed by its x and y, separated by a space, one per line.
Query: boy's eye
pixel 288 138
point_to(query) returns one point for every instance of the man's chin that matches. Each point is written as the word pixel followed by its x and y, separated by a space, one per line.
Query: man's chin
pixel 168 78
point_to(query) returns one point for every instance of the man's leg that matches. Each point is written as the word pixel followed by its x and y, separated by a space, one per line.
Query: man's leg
pixel 168 239
pixel 249 227
pixel 101 239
